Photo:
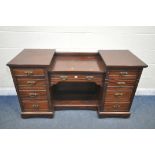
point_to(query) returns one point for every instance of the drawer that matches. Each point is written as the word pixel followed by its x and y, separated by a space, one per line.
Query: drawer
pixel 28 72
pixel 22 87
pixel 29 105
pixel 118 96
pixel 123 74
pixel 31 82
pixel 116 107
pixel 76 78
pixel 33 94
pixel 115 82
pixel 120 88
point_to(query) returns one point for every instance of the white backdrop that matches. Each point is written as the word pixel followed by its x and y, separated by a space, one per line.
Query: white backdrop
pixel 139 40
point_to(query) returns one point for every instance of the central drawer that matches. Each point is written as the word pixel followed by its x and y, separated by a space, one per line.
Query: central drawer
pixel 55 78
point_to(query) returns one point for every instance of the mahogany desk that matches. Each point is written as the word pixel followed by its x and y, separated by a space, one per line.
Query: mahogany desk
pixel 46 80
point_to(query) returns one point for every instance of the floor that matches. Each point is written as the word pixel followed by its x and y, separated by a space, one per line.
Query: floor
pixel 143 116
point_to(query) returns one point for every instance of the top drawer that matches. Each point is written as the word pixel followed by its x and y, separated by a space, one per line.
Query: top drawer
pixel 123 74
pixel 28 72
pixel 76 78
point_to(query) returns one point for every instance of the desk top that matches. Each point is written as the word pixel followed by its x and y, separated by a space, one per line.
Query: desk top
pixel 30 57
pixel 120 58
pixel 78 62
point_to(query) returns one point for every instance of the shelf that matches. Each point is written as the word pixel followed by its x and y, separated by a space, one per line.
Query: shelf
pixel 71 104
pixel 76 91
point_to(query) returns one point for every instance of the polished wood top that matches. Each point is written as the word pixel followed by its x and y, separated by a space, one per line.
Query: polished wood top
pixel 120 58
pixel 30 57
pixel 77 62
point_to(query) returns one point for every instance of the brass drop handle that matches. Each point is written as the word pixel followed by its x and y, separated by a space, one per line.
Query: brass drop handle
pixel 63 77
pixel 118 94
pixel 116 106
pixel 35 106
pixel 123 73
pixel 121 83
pixel 33 94
pixel 31 82
pixel 89 77
pixel 29 73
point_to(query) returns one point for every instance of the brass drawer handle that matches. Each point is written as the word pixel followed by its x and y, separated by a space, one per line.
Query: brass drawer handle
pixel 120 83
pixel 118 94
pixel 123 73
pixel 35 106
pixel 33 94
pixel 89 77
pixel 29 73
pixel 31 82
pixel 63 77
pixel 116 106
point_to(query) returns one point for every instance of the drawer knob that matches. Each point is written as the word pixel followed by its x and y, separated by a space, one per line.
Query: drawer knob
pixel 89 77
pixel 63 77
pixel 118 94
pixel 123 73
pixel 31 82
pixel 121 83
pixel 33 94
pixel 29 73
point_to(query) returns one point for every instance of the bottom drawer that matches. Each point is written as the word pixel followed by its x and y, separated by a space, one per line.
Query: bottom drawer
pixel 30 106
pixel 114 107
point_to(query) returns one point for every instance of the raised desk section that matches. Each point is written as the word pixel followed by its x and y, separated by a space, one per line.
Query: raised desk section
pixel 46 80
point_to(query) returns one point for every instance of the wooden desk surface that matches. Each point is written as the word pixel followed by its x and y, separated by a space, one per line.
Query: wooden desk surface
pixel 78 62
pixel 31 57
pixel 120 58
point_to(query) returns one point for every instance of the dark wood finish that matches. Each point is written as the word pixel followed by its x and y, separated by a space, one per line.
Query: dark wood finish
pixel 29 72
pixel 120 58
pixel 123 70
pixel 76 104
pixel 77 62
pixel 56 78
pixel 30 76
pixel 46 81
pixel 33 57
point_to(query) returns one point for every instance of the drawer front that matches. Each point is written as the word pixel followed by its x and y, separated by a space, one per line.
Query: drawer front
pixel 33 94
pixel 22 87
pixel 123 74
pixel 28 72
pixel 115 82
pixel 120 88
pixel 30 105
pixel 118 96
pixel 76 78
pixel 116 107
pixel 31 82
